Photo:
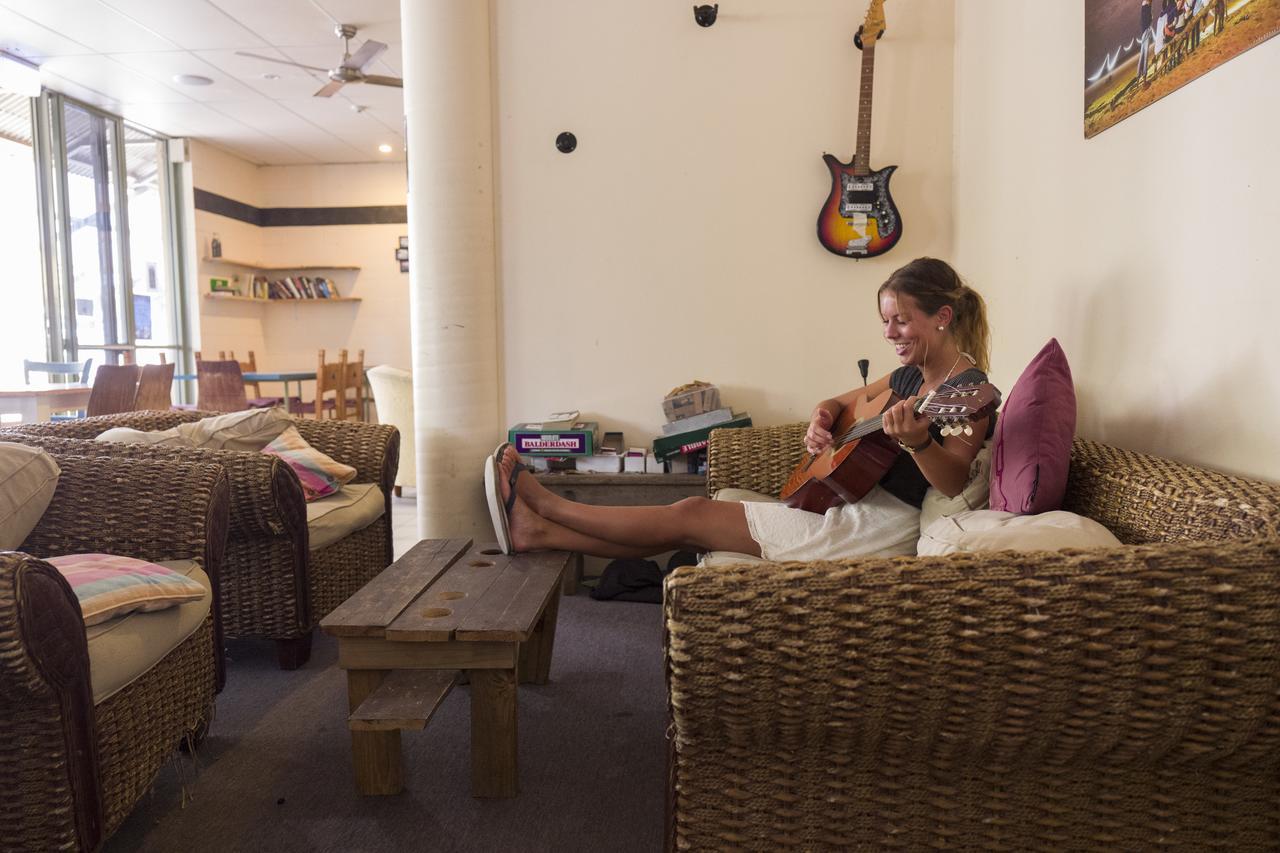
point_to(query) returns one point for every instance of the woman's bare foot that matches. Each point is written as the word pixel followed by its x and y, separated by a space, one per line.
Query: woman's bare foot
pixel 524 526
pixel 528 489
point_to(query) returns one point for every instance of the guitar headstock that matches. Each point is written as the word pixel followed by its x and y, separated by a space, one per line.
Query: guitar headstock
pixel 954 408
pixel 873 25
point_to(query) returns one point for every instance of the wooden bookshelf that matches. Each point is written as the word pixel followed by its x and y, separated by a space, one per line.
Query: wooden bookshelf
pixel 276 267
pixel 234 298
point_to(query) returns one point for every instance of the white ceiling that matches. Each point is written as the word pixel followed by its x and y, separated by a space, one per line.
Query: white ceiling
pixel 122 55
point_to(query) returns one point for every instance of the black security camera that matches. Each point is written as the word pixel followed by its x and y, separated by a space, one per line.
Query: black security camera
pixel 705 15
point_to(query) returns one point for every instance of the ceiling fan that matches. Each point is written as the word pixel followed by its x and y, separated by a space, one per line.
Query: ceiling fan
pixel 350 70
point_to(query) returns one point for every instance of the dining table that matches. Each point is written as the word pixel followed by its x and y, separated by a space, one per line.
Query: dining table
pixel 37 402
pixel 283 376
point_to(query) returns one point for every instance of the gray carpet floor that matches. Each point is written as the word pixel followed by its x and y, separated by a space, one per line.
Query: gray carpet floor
pixel 274 772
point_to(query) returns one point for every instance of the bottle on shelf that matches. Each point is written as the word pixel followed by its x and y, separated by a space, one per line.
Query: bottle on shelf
pixel 215 247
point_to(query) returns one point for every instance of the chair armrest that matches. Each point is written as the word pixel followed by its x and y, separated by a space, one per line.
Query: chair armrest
pixel 266 498
pixel 1120 656
pixel 150 421
pixel 49 755
pixel 372 449
pixel 146 508
pixel 756 458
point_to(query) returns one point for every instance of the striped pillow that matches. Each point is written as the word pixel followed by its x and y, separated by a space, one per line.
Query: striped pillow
pixel 319 474
pixel 109 586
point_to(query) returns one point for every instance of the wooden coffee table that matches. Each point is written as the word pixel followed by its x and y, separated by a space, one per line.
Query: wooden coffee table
pixel 444 609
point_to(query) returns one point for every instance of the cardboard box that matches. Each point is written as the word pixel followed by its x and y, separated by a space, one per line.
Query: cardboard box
pixel 695 401
pixel 531 438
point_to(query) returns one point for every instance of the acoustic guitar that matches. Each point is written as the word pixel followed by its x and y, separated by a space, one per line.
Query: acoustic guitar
pixel 861 453
pixel 859 219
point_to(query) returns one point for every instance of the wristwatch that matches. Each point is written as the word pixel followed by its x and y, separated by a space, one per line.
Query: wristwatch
pixel 914 450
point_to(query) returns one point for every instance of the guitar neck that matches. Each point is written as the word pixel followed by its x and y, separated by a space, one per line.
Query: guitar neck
pixel 862 154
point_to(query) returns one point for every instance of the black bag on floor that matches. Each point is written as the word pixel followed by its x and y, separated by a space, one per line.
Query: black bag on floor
pixel 630 580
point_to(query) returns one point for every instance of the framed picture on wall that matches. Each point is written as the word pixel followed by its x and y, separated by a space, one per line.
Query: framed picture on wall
pixel 1138 51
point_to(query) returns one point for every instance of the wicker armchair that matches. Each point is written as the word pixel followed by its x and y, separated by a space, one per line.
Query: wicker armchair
pixel 273 585
pixel 71 772
pixel 1126 698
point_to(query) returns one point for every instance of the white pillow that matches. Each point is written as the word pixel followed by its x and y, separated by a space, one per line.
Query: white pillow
pixel 28 479
pixel 129 435
pixel 975 494
pixel 252 429
pixel 993 530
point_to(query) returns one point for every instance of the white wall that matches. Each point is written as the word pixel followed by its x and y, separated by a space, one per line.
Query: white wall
pixel 1149 251
pixel 287 336
pixel 678 241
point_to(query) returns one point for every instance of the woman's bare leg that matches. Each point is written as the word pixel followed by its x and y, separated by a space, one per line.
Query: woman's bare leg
pixel 532 532
pixel 696 523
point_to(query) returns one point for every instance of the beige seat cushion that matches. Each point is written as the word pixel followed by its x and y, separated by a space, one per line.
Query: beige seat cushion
pixel 252 429
pixel 125 648
pixel 993 530
pixel 129 435
pixel 976 493
pixel 28 479
pixel 354 507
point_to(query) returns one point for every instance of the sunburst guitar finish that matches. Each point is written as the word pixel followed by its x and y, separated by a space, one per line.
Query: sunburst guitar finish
pixel 859 219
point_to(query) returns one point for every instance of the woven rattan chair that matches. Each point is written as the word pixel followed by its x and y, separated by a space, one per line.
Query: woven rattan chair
pixel 71 772
pixel 273 585
pixel 1115 699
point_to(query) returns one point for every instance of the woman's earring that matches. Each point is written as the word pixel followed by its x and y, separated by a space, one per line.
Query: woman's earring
pixel 942 328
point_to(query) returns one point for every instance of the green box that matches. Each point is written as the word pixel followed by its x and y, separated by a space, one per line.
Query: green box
pixel 666 446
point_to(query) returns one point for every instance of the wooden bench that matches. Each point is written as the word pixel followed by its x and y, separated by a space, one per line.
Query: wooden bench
pixel 444 612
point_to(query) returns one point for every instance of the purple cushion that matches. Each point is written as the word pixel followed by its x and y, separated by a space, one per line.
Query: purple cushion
pixel 1032 446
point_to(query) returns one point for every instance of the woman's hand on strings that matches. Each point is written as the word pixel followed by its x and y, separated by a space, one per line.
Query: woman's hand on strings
pixel 901 422
pixel 818 437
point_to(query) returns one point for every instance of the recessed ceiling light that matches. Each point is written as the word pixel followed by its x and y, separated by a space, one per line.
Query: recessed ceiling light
pixel 192 80
pixel 384 148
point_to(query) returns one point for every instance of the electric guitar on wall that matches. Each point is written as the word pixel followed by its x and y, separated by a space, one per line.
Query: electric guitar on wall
pixel 860 219
pixel 861 453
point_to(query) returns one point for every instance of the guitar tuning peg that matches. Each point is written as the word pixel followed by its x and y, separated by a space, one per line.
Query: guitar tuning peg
pixel 968 429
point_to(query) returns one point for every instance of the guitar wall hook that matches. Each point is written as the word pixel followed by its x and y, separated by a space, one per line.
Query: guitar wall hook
pixel 704 15
pixel 857 37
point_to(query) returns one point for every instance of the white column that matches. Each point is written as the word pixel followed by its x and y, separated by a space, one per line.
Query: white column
pixel 448 95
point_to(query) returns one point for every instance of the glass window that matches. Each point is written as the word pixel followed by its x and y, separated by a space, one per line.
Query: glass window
pixel 22 295
pixel 155 313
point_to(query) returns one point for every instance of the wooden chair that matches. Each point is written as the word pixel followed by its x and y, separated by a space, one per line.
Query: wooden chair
pixel 256 400
pixel 155 388
pixel 345 379
pixel 220 386
pixel 114 388
pixel 74 371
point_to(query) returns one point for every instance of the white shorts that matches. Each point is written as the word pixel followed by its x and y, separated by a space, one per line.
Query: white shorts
pixel 879 525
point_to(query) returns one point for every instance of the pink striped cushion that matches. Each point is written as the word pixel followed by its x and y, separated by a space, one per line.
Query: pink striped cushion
pixel 319 474
pixel 109 586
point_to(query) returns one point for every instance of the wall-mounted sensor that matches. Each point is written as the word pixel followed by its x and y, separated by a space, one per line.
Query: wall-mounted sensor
pixel 705 15
pixel 566 142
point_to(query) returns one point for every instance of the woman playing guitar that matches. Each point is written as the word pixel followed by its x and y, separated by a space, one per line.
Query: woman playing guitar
pixel 936 324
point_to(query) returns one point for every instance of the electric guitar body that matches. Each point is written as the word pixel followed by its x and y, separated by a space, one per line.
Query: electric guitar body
pixel 859 219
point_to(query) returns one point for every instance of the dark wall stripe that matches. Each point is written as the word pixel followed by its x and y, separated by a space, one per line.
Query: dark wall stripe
pixel 269 217
pixel 223 206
